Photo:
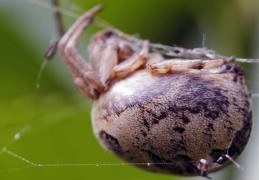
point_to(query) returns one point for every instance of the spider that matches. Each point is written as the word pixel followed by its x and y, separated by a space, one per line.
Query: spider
pixel 113 56
pixel 179 111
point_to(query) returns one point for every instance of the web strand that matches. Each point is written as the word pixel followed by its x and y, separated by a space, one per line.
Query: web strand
pixel 42 67
pixel 98 21
pixel 31 164
pixel 18 157
pixel 49 6
pixel 16 137
pixel 256 95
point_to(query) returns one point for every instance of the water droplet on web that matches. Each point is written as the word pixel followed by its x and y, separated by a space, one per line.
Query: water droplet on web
pixel 17 136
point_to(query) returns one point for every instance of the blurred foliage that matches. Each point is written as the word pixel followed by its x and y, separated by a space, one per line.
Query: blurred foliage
pixel 58 116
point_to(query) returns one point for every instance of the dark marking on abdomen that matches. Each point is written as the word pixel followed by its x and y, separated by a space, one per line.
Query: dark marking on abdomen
pixel 110 142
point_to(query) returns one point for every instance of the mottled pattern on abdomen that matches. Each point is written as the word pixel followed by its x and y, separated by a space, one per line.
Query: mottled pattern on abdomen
pixel 174 120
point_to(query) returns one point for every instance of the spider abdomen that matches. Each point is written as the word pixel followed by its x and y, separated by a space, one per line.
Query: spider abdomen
pixel 172 121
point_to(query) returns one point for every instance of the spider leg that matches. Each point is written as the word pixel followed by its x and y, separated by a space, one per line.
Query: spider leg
pixel 74 60
pixel 85 88
pixel 133 63
pixel 174 65
pixel 108 60
pixel 82 21
pixel 154 58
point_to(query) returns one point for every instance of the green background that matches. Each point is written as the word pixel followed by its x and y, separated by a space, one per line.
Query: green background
pixel 57 116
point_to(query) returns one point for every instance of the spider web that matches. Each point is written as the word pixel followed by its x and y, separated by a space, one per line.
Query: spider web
pixel 31 164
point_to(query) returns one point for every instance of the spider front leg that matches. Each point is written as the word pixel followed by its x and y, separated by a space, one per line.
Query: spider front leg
pixel 111 57
pixel 67 45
